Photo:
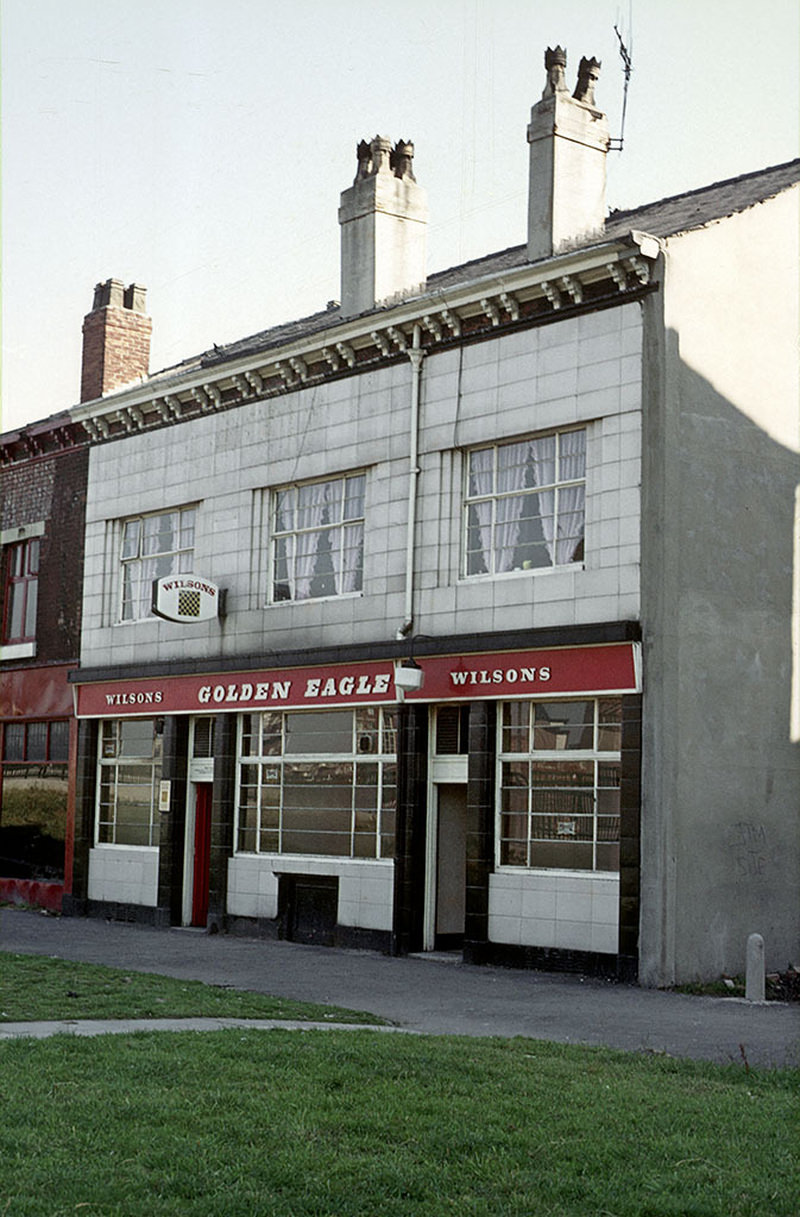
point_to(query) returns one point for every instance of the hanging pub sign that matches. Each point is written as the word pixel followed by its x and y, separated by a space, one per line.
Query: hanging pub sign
pixel 186 598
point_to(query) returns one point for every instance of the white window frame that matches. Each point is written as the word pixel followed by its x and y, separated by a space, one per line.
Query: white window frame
pixel 151 769
pixel 181 559
pixel 296 579
pixel 595 755
pixel 263 760
pixel 494 496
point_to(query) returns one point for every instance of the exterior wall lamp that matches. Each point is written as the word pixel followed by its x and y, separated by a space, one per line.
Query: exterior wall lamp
pixel 408 677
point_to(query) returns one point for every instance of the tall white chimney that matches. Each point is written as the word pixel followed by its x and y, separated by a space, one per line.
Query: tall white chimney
pixel 568 139
pixel 383 218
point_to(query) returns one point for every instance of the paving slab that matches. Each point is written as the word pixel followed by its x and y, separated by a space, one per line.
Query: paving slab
pixel 431 995
pixel 132 1026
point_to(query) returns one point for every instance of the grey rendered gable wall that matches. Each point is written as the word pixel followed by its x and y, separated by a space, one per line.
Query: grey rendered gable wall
pixel 721 791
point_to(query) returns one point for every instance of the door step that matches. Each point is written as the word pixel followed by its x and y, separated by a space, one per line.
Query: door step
pixel 438 956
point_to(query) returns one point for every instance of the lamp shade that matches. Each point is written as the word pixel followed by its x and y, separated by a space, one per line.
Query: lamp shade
pixel 408 676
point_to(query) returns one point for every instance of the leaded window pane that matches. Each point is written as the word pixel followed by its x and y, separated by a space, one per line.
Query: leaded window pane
pixel 130 770
pixel 333 801
pixel 319 731
pixel 554 811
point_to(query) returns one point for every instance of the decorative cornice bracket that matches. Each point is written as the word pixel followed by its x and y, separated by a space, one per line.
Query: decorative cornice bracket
pixel 491 310
pixel 552 293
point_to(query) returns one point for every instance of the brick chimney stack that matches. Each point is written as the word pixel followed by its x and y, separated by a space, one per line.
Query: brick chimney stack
pixel 569 140
pixel 116 339
pixel 383 218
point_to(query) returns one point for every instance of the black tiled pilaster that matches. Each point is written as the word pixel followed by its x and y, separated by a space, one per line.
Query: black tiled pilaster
pixel 75 902
pixel 480 824
pixel 630 833
pixel 409 874
pixel 172 824
pixel 222 811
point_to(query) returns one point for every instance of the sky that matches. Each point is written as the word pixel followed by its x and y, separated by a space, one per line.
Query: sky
pixel 199 147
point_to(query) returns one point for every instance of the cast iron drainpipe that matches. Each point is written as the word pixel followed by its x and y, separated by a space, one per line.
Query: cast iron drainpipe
pixel 416 355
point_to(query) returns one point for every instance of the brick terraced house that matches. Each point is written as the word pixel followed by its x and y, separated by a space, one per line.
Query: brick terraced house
pixel 43 471
pixel 460 614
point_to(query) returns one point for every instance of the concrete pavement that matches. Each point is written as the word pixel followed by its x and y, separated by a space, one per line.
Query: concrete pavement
pixel 432 995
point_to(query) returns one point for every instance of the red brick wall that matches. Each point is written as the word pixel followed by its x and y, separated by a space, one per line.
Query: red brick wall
pixel 51 489
pixel 116 350
pixel 26 492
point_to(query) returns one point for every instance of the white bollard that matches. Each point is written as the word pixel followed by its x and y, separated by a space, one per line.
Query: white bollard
pixel 754 981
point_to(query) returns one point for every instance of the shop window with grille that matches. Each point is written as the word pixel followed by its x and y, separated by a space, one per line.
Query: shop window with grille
pixel 559 784
pixel 318 782
pixel 129 771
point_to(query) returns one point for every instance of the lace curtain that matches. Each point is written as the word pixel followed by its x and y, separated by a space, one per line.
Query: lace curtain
pixel 319 534
pixel 313 509
pixel 505 497
pixel 571 499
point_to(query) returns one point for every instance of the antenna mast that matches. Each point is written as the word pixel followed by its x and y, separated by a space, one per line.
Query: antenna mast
pixel 627 67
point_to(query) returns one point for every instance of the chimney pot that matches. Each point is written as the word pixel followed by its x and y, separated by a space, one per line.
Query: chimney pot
pixel 569 141
pixel 383 218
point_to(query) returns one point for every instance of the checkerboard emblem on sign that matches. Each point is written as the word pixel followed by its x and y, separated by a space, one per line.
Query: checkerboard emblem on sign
pixel 189 604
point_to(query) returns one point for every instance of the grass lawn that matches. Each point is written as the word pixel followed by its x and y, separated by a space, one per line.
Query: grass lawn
pixel 244 1123
pixel 37 987
pixel 363 1124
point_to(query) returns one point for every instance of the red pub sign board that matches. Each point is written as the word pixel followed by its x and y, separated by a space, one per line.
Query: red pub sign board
pixel 555 672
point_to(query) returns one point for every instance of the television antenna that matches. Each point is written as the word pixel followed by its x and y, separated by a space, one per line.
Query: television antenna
pixel 626 56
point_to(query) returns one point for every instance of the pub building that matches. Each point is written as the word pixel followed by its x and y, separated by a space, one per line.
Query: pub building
pixel 334 803
pixel 433 621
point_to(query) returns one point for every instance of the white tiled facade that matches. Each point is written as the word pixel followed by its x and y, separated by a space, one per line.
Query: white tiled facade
pixel 490 391
pixel 662 755
pixel 365 888
pixel 583 371
pixel 124 875
pixel 555 909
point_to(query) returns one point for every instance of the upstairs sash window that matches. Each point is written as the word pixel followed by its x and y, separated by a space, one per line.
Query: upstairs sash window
pixel 318 539
pixel 152 546
pixel 524 506
pixel 22 586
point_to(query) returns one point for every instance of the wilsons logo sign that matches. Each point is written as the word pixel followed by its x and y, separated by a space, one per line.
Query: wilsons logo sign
pixel 560 671
pixel 186 598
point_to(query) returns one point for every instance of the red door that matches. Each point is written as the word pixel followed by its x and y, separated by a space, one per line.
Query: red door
pixel 202 853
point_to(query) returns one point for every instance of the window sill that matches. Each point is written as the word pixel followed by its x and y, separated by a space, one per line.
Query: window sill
pixel 297 863
pixel 552 872
pixel 152 849
pixel 17 650
pixel 538 571
pixel 271 604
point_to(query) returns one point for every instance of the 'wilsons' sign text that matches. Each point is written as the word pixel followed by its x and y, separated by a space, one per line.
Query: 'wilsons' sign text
pixel 558 671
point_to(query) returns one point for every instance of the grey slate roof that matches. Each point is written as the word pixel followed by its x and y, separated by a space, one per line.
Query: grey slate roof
pixel 698 207
pixel 665 218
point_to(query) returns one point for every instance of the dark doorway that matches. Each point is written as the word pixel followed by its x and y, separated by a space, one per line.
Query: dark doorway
pixel 451 866
pixel 202 853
